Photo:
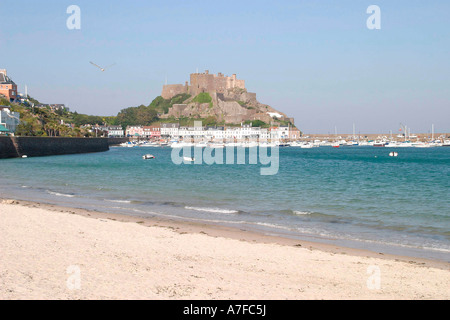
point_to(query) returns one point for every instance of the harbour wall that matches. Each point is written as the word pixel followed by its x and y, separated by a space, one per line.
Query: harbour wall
pixel 14 147
pixel 117 141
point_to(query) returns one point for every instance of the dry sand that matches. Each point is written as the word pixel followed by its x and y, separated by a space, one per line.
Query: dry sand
pixel 49 252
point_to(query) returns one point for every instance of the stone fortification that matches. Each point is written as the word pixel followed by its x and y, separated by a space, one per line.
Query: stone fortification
pixel 203 82
pixel 231 102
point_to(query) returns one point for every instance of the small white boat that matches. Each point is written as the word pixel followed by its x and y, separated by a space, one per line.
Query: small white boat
pixel 393 154
pixel 379 144
pixel 216 145
pixel 267 145
pixel 392 144
pixel 296 144
pixel 307 145
pixel 148 156
pixel 201 145
pixel 128 144
pixel 189 159
pixel 421 145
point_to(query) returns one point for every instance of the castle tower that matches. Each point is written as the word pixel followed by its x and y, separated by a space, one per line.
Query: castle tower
pixel 204 82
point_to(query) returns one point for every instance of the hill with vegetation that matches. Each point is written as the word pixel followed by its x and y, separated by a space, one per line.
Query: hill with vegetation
pixel 232 109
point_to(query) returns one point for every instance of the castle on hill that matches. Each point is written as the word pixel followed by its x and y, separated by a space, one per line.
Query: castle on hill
pixel 203 82
pixel 230 101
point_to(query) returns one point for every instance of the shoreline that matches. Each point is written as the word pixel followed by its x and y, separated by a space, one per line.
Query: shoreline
pixel 234 233
pixel 122 257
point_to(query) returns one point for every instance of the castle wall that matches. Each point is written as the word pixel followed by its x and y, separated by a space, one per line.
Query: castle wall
pixel 177 110
pixel 171 90
pixel 201 82
pixel 205 82
pixel 221 83
pixel 239 84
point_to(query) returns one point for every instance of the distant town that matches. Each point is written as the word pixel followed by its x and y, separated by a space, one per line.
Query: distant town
pixel 212 108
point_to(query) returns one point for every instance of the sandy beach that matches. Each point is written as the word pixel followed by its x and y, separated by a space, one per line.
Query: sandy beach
pixel 49 252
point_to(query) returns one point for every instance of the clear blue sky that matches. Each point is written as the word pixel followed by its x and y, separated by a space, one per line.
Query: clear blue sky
pixel 313 60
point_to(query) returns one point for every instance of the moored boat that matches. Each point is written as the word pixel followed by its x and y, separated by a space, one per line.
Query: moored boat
pixel 379 144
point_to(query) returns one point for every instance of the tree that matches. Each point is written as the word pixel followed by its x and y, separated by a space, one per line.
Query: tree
pixel 133 116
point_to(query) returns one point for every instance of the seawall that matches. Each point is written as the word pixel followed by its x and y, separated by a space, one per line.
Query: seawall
pixel 117 141
pixel 13 147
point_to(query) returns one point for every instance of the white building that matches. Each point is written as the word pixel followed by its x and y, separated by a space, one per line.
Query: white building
pixel 284 132
pixel 233 133
pixel 170 130
pixel 196 133
pixel 9 119
pixel 220 133
pixel 115 132
pixel 279 133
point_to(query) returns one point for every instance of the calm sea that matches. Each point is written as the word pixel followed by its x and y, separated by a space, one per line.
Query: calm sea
pixel 352 196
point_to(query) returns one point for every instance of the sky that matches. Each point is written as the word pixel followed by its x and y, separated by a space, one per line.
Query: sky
pixel 316 61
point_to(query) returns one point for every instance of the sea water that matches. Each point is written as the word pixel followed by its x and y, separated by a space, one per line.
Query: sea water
pixel 351 196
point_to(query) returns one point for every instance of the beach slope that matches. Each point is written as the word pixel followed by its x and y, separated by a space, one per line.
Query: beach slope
pixel 56 254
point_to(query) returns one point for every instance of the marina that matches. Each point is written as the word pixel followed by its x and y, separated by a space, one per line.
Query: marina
pixel 294 144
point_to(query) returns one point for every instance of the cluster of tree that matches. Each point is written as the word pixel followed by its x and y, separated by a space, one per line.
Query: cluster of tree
pixel 145 115
pixel 257 123
pixel 132 116
pixel 79 119
pixel 162 106
pixel 43 122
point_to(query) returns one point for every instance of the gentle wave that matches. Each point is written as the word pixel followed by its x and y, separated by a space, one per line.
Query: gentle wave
pixel 119 201
pixel 213 210
pixel 271 225
pixel 301 213
pixel 61 194
pixel 424 246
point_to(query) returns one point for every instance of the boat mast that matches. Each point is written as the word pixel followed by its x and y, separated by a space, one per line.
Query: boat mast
pixel 354 138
